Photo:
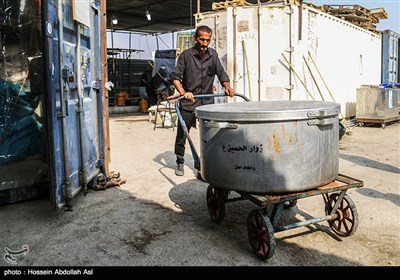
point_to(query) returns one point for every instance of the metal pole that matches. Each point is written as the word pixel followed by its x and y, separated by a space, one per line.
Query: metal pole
pixel 112 49
pixel 301 81
pixel 313 78
pixel 246 61
pixel 234 15
pixel 80 111
pixel 129 64
pixel 198 6
pixel 330 93
pixel 259 79
pixel 64 89
pixel 158 47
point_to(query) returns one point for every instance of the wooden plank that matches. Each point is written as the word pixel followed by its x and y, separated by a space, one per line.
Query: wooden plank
pixel 342 182
pixel 230 3
pixel 104 77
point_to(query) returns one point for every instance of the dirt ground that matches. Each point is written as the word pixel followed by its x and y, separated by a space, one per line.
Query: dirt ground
pixel 159 219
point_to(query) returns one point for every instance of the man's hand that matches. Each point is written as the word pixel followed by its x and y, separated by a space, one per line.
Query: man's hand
pixel 188 95
pixel 230 91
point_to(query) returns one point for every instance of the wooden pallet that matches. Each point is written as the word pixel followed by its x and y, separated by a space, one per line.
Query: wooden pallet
pixel 379 13
pixel 226 4
pixel 357 15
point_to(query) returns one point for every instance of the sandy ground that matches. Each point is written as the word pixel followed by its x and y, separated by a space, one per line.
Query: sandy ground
pixel 159 219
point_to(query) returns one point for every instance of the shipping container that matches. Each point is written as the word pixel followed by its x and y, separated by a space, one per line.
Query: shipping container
pixel 291 51
pixel 390 57
pixel 52 126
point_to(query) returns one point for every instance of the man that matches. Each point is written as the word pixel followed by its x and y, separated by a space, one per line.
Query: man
pixel 159 82
pixel 194 75
pixel 145 82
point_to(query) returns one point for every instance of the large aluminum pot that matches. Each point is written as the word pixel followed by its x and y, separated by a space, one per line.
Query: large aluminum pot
pixel 269 146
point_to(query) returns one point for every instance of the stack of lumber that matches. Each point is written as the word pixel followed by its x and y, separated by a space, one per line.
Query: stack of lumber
pixel 357 15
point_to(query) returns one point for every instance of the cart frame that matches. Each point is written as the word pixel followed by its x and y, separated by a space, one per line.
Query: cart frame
pixel 340 211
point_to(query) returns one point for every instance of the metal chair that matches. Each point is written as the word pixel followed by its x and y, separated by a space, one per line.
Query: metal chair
pixel 164 106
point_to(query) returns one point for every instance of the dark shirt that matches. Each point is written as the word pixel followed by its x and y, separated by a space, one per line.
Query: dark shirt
pixel 197 75
pixel 160 78
pixel 145 78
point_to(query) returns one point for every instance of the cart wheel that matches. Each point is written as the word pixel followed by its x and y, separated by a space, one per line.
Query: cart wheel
pixel 216 203
pixel 346 222
pixel 290 203
pixel 261 234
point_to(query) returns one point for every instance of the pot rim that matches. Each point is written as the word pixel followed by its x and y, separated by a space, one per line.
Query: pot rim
pixel 268 110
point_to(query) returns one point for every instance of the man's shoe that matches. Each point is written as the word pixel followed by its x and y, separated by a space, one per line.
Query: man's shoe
pixel 179 170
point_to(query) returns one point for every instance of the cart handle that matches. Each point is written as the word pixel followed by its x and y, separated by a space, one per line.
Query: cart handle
pixel 179 97
pixel 182 122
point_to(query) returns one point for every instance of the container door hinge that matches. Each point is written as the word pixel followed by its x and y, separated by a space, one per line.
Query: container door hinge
pixel 79 109
pixel 288 10
pixel 68 75
pixel 234 11
pixel 289 87
pixel 96 85
pixel 99 163
pixel 259 10
pixel 289 49
pixel 199 16
pixel 95 5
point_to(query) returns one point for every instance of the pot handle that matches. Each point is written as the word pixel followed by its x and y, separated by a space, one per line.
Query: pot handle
pixel 322 122
pixel 322 114
pixel 214 124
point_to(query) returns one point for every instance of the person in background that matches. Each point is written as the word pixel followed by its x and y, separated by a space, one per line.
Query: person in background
pixel 145 82
pixel 146 76
pixel 194 75
pixel 177 52
pixel 161 83
pixel 160 78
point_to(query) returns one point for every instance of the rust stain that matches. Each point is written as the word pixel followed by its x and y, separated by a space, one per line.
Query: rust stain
pixel 283 131
pixel 293 139
pixel 276 142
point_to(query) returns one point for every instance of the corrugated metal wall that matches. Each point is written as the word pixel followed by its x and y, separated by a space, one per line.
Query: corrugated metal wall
pixel 390 57
pixel 51 118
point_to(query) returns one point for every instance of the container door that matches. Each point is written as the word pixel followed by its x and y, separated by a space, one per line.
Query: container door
pixel 257 36
pixel 23 137
pixel 74 107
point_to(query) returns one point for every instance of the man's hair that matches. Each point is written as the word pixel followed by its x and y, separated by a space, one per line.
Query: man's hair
pixel 202 28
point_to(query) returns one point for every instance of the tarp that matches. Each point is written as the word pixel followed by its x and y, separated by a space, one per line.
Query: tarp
pixel 167 58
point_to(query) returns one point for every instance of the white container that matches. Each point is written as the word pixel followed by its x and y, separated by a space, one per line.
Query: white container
pixel 251 40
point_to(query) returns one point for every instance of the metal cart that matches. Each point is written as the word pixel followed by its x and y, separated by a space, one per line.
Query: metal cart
pixel 340 210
